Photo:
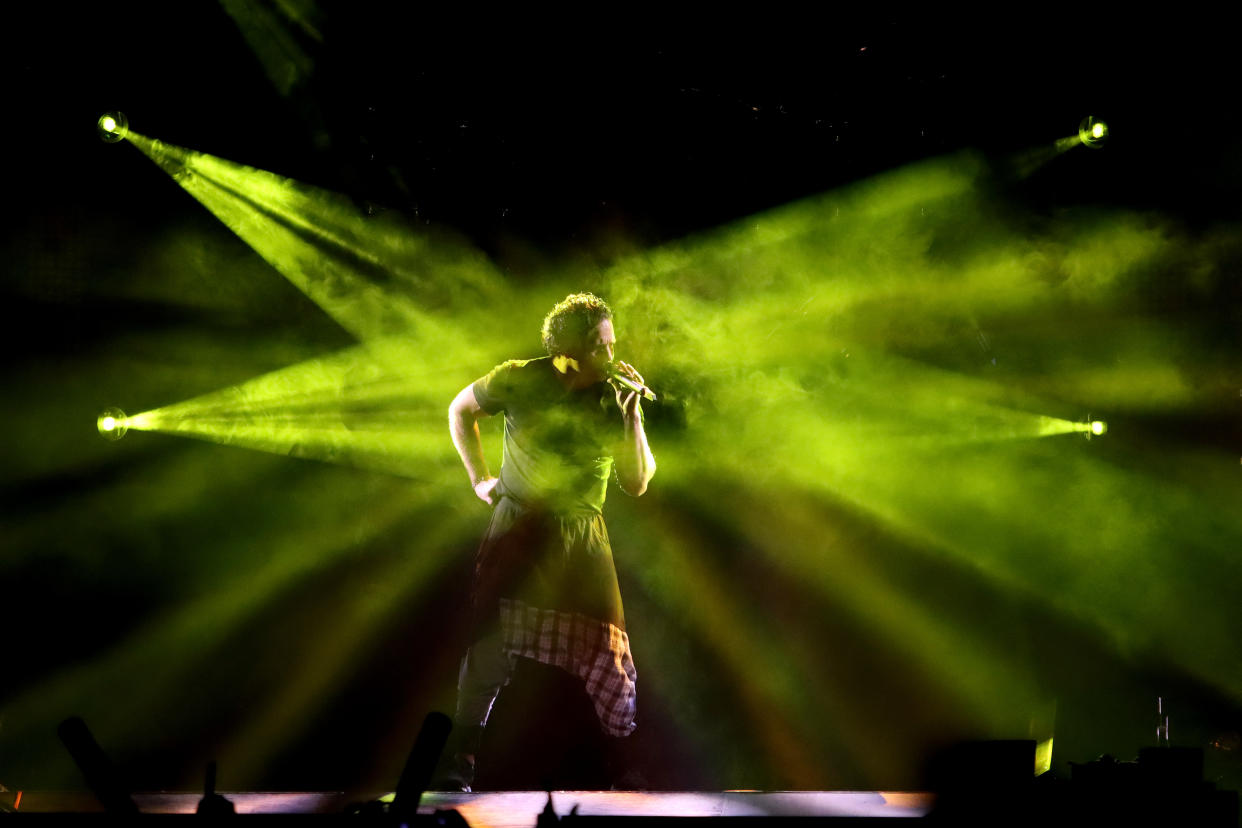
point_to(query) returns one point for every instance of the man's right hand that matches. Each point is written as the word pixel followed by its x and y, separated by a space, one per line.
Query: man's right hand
pixel 485 489
pixel 464 414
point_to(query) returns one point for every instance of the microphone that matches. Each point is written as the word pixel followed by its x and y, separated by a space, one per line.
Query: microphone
pixel 615 375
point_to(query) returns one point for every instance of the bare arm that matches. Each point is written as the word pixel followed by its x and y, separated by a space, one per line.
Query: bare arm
pixel 464 415
pixel 635 463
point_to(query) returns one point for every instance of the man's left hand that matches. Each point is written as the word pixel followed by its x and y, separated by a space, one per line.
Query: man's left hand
pixel 628 401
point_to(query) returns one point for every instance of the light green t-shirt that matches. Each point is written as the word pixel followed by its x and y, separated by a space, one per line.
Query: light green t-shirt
pixel 558 442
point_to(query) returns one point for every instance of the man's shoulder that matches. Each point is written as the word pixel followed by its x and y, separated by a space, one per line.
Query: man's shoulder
pixel 525 365
pixel 517 366
pixel 521 370
pixel 512 381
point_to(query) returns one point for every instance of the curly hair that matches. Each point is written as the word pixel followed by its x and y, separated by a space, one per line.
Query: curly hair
pixel 570 322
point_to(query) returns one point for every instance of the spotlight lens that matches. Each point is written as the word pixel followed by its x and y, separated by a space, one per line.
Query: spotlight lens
pixel 1098 428
pixel 1092 132
pixel 112 126
pixel 112 424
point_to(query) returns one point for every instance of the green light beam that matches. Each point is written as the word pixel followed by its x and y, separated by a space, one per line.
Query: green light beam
pixel 770 692
pixel 378 406
pixel 276 36
pixel 373 276
pixel 337 647
pixel 144 678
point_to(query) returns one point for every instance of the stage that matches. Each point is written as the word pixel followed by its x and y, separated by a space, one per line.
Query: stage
pixel 520 809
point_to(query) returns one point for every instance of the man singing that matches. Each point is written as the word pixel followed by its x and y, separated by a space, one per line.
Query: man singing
pixel 544 583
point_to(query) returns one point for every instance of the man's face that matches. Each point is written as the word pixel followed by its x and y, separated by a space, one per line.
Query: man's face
pixel 596 351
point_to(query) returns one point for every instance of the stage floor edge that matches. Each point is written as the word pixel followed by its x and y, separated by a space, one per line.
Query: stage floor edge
pixel 519 809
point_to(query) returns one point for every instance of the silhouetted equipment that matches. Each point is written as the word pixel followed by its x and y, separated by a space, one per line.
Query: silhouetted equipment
pixel 212 804
pixel 982 780
pixel 1165 784
pixel 101 777
pixel 547 817
pixel 421 763
pixel 988 783
pixel 1005 764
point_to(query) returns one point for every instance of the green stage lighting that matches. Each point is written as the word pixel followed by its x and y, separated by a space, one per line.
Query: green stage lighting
pixel 373 277
pixel 1092 132
pixel 1090 428
pixel 112 126
pixel 112 424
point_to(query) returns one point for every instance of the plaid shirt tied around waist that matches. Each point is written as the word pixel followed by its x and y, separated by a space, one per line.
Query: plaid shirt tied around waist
pixel 595 651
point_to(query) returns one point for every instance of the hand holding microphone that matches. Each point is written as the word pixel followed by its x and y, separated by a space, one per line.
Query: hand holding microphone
pixel 623 374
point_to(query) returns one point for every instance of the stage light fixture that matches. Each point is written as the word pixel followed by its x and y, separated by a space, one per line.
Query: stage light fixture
pixel 1091 428
pixel 1092 132
pixel 112 126
pixel 112 424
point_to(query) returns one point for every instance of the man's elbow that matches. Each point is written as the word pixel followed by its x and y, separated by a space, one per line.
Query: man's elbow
pixel 463 409
pixel 636 485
